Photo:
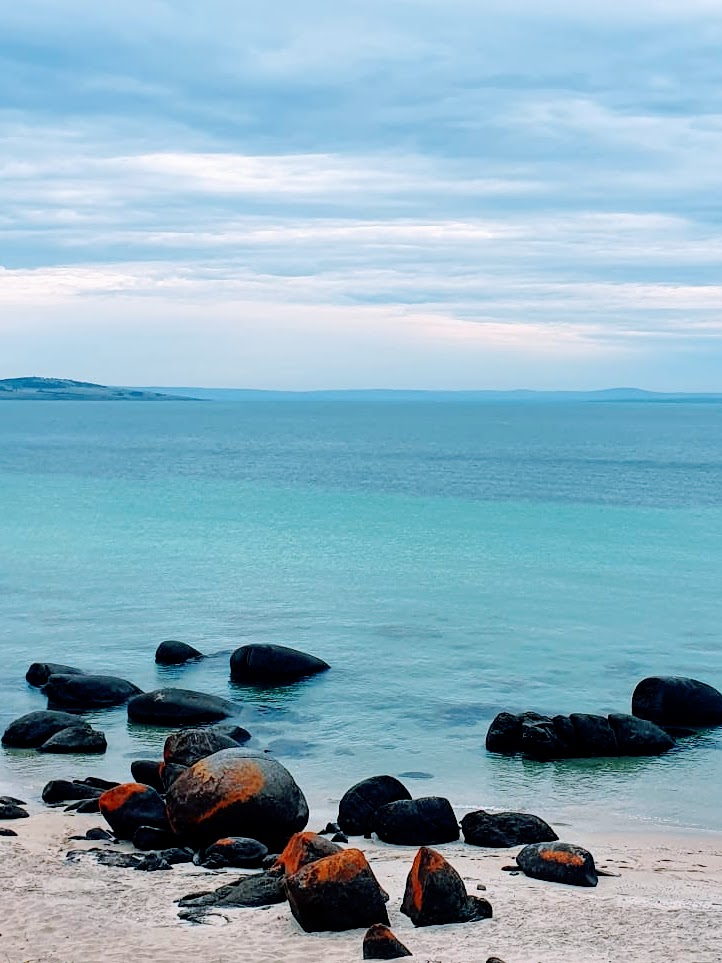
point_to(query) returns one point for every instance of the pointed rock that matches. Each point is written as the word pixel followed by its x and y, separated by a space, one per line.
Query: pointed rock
pixel 436 894
pixel 381 944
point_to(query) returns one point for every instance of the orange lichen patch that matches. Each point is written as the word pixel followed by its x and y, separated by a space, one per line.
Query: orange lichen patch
pixel 427 861
pixel 217 790
pixel 339 868
pixel 301 849
pixel 559 856
pixel 114 798
pixel 226 841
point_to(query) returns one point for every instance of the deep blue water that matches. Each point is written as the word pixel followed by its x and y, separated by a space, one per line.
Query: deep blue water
pixel 449 560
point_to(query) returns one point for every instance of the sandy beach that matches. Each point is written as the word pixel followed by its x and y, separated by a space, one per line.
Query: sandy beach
pixel 664 905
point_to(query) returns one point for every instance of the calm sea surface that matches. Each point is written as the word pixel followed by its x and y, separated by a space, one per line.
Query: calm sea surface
pixel 449 560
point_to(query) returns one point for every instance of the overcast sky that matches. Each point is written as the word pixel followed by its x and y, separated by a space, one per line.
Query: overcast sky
pixel 408 193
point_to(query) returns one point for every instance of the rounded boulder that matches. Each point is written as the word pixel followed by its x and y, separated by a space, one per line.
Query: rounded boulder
pixel 178 707
pixel 35 728
pixel 427 821
pixel 80 739
pixel 39 672
pixel 80 692
pixel 359 805
pixel 676 701
pixel 131 805
pixel 273 663
pixel 172 652
pixel 189 745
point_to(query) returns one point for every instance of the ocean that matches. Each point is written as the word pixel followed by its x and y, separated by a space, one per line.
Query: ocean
pixel 449 559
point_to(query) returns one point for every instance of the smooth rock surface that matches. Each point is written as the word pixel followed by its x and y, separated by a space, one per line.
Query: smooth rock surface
pixel 273 663
pixel 172 652
pixel 179 707
pixel 435 894
pixel 558 863
pixel 359 805
pixel 131 806
pixel 427 821
pixel 35 728
pixel 81 692
pixel 76 739
pixel 677 701
pixel 481 828
pixel 39 672
pixel 381 944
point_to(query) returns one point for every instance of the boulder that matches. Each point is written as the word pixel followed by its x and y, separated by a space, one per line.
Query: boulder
pixel 237 851
pixel 594 735
pixel 675 701
pixel 381 944
pixel 179 707
pixel 10 811
pixel 86 806
pixel 505 829
pixel 65 790
pixel 301 849
pixel 258 890
pixel 189 745
pixel 505 732
pixel 237 733
pixel 558 863
pixel 130 806
pixel 81 692
pixel 427 821
pixel 172 652
pixel 35 728
pixel 435 893
pixel 80 739
pixel 11 801
pixel 151 837
pixel 540 740
pixel 234 793
pixel 39 672
pixel 147 771
pixel 338 892
pixel 358 806
pixel 638 737
pixel 273 663
pixel 169 772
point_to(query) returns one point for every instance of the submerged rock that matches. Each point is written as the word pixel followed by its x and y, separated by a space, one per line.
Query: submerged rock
pixel 435 894
pixel 273 663
pixel 179 707
pixel 558 863
pixel 426 821
pixel 677 701
pixel 79 739
pixel 381 944
pixel 81 692
pixel 39 672
pixel 358 806
pixel 505 829
pixel 35 728
pixel 172 652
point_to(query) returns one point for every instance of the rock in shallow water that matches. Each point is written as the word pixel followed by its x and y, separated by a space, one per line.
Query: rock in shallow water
pixel 81 692
pixel 35 728
pixel 179 707
pixel 189 745
pixel 273 663
pixel 677 701
pixel 172 652
pixel 39 672
pixel 78 739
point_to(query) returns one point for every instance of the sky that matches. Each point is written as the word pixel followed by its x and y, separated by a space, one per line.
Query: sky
pixel 451 194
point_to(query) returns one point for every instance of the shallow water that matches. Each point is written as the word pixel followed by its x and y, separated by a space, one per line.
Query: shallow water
pixel 449 560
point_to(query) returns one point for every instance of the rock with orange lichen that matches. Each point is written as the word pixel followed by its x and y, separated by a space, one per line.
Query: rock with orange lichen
pixel 301 849
pixel 237 851
pixel 427 821
pixel 436 894
pixel 558 863
pixel 338 892
pixel 381 944
pixel 131 805
pixel 236 793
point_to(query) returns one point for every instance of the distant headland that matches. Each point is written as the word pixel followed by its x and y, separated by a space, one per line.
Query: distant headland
pixel 61 389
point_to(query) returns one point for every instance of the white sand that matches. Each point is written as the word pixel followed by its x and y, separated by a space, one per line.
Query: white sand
pixel 665 906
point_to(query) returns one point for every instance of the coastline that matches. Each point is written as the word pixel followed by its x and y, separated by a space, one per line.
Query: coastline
pixel 664 904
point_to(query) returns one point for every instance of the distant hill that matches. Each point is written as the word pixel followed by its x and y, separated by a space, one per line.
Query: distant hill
pixel 61 389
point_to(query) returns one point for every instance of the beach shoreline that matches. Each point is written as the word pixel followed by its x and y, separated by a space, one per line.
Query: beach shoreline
pixel 664 904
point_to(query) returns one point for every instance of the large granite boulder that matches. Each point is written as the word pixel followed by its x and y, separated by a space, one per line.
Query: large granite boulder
pixel 301 849
pixel 39 672
pixel 79 693
pixel 172 652
pixel 338 892
pixel 675 701
pixel 76 739
pixel 179 707
pixel 558 863
pixel 435 893
pixel 189 745
pixel 638 737
pixel 238 851
pixel 273 663
pixel 481 828
pixel 358 806
pixel 35 728
pixel 234 793
pixel 130 806
pixel 427 821
pixel 381 944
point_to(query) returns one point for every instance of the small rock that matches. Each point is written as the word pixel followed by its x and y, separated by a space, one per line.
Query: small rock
pixel 152 863
pixel 340 838
pixel 11 801
pixel 330 830
pixel 153 837
pixel 7 832
pixel 257 890
pixel 381 944
pixel 12 812
pixel 237 851
pixel 39 672
pixel 106 857
pixel 172 652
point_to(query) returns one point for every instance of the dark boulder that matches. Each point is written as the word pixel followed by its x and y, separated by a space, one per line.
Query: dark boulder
pixel 39 672
pixel 7 832
pixel 10 811
pixel 147 771
pixel 566 733
pixel 237 733
pixel 172 652
pixel 301 849
pixel 189 745
pixel 338 892
pixel 540 740
pixel 130 806
pixel 81 692
pixel 674 701
pixel 100 783
pixel 11 801
pixel 169 772
pixel 151 837
pixel 258 890
pixel 273 663
pixel 505 829
pixel 87 806
pixel 358 807
pixel 35 728
pixel 638 737
pixel 558 863
pixel 176 855
pixel 233 793
pixel 65 790
pixel 594 735
pixel 504 734
pixel 435 893
pixel 80 739
pixel 427 821
pixel 239 852
pixel 381 944
pixel 179 707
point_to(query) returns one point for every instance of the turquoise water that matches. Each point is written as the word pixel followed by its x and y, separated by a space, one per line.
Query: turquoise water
pixel 449 561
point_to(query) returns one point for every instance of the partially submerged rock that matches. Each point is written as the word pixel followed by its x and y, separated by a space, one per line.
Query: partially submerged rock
pixel 427 821
pixel 558 863
pixel 130 806
pixel 179 707
pixel 35 728
pixel 381 944
pixel 639 737
pixel 189 745
pixel 481 828
pixel 77 739
pixel 359 805
pixel 273 663
pixel 234 793
pixel 172 652
pixel 39 672
pixel 677 701
pixel 435 893
pixel 338 892
pixel 81 692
